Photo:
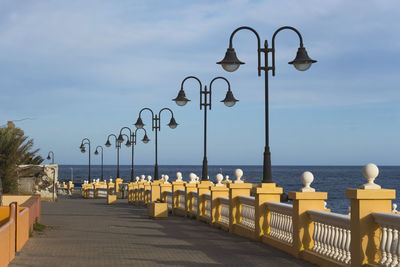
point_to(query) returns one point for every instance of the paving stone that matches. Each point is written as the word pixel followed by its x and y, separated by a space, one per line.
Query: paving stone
pixel 87 232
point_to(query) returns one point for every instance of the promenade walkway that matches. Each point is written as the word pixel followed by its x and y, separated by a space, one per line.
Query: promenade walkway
pixel 87 232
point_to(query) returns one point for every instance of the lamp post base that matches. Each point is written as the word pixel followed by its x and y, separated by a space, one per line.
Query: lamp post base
pixel 156 172
pixel 267 174
pixel 204 173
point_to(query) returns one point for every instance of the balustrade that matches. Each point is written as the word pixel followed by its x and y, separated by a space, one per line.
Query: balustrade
pixel 169 199
pixel 389 243
pixel 331 235
pixel 281 222
pixel 247 212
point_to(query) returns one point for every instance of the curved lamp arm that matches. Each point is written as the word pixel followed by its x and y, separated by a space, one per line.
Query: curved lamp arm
pixel 126 127
pixel 159 116
pixel 258 44
pixel 135 134
pixel 152 116
pixel 213 80
pixel 273 43
pixel 197 79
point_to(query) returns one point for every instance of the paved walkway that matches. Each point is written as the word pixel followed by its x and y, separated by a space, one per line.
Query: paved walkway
pixel 90 233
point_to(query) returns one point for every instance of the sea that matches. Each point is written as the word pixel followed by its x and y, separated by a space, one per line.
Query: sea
pixel 331 179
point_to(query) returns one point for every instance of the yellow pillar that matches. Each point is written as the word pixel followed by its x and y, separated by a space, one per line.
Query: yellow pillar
pixel 216 192
pixel 111 198
pixel 177 185
pixel 202 188
pixel 155 190
pixel 165 187
pixel 365 233
pixel 235 190
pixel 118 181
pixel 303 227
pixel 267 192
pixel 189 187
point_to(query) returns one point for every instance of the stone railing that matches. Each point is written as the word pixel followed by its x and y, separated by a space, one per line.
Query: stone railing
pixel 390 239
pixel 207 199
pixel 247 212
pixel 193 202
pixel 331 235
pixel 281 222
pixel 182 200
pixel 224 215
pixel 305 228
pixel 169 199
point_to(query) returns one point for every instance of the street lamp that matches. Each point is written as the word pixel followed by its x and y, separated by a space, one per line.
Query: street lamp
pixel 132 142
pixel 205 102
pixel 86 141
pixel 155 125
pixel 230 63
pixel 96 153
pixel 117 146
pixel 52 156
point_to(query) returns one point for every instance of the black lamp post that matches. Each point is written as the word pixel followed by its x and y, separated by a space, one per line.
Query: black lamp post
pixel 205 102
pixel 52 156
pixel 230 63
pixel 86 141
pixel 96 153
pixel 155 125
pixel 132 142
pixel 117 146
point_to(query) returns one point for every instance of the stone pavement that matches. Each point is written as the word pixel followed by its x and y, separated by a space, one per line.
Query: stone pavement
pixel 87 232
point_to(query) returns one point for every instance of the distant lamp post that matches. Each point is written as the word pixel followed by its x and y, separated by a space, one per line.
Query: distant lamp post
pixel 230 63
pixel 155 125
pixel 205 102
pixel 117 146
pixel 132 142
pixel 86 141
pixel 96 153
pixel 51 153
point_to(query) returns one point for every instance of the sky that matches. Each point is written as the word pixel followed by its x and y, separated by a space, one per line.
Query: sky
pixel 85 69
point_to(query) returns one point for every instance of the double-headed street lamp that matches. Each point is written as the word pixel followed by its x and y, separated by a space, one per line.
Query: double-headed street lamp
pixel 156 125
pixel 52 156
pixel 117 146
pixel 96 153
pixel 230 63
pixel 205 102
pixel 132 142
pixel 86 141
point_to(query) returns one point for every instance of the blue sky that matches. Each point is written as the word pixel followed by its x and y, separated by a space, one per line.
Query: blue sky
pixel 85 69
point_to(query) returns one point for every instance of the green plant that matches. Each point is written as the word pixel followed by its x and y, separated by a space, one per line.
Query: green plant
pixel 15 149
pixel 39 227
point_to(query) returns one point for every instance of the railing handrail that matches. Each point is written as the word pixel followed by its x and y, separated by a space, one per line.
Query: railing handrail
pixel 330 218
pixel 224 200
pixel 247 200
pixel 282 208
pixel 168 192
pixel 387 219
pixel 207 196
pixel 180 191
pixel 194 193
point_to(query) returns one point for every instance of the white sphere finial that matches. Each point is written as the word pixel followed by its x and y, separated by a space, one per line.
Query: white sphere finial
pixel 166 177
pixel 149 178
pixel 238 175
pixel 394 207
pixel 110 180
pixel 370 172
pixel 137 179
pixel 227 178
pixel 219 179
pixel 192 177
pixel 178 176
pixel 307 178
pixel 142 177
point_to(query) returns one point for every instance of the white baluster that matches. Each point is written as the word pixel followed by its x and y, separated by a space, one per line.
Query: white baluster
pixel 388 246
pixel 395 256
pixel 348 242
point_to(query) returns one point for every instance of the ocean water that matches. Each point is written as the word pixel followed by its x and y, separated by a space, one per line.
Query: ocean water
pixel 331 179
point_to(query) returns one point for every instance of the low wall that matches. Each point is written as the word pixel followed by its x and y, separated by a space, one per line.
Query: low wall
pixel 7 238
pixel 32 202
